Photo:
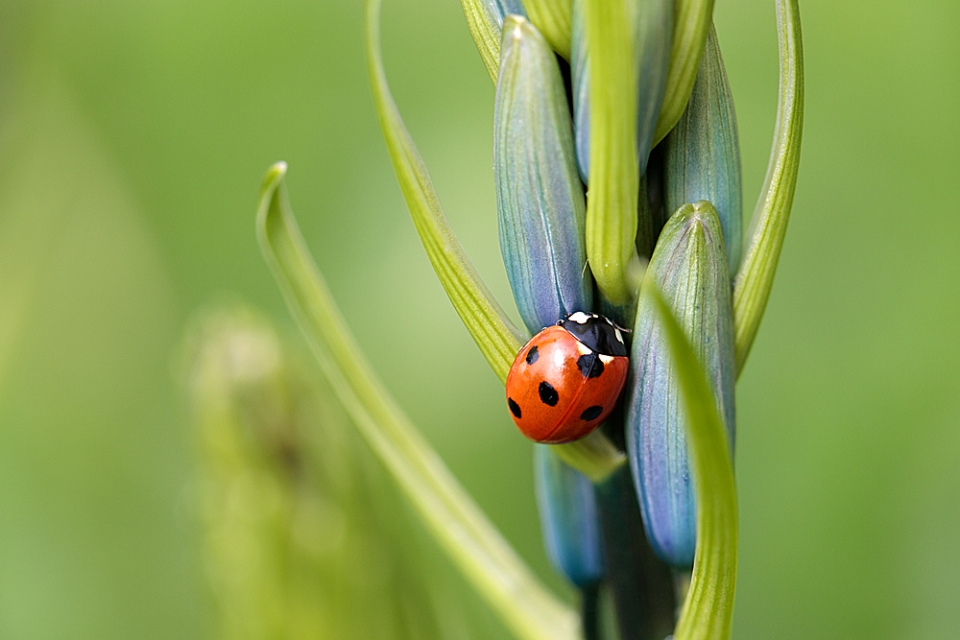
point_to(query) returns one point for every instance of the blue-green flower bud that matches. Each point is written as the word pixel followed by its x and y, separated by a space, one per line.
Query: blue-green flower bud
pixel 540 198
pixel 652 37
pixel 703 152
pixel 689 267
pixel 580 85
pixel 568 518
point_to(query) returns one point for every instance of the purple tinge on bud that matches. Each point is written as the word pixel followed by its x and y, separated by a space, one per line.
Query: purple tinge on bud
pixel 652 36
pixel 690 268
pixel 540 198
pixel 568 518
pixel 702 160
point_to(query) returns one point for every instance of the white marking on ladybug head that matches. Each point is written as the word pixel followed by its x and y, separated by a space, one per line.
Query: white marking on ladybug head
pixel 579 317
pixel 583 349
pixel 606 359
pixel 619 335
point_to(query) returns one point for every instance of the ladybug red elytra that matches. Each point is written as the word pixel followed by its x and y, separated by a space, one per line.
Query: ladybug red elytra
pixel 567 378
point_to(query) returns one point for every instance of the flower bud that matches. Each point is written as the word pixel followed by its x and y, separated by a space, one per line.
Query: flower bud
pixel 568 518
pixel 580 86
pixel 703 152
pixel 540 198
pixel 689 267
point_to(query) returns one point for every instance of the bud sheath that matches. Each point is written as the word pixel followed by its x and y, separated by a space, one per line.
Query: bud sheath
pixel 703 152
pixel 540 198
pixel 568 518
pixel 689 267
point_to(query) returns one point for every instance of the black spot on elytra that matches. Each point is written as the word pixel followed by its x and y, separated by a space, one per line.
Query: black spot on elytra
pixel 514 407
pixel 548 395
pixel 533 354
pixel 590 365
pixel 591 413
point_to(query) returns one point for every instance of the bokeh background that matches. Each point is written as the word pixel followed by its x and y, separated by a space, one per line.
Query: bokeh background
pixel 133 136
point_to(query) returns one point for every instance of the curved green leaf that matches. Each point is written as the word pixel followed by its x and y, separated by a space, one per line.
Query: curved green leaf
pixel 692 22
pixel 450 514
pixel 751 289
pixel 485 29
pixel 614 169
pixel 499 340
pixel 707 613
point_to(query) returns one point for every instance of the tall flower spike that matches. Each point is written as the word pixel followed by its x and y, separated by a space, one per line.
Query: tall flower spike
pixel 703 152
pixel 690 269
pixel 540 199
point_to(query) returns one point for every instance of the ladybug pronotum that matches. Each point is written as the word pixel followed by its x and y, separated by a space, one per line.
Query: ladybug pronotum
pixel 566 380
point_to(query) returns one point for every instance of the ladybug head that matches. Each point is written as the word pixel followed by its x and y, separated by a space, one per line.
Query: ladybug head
pixel 596 332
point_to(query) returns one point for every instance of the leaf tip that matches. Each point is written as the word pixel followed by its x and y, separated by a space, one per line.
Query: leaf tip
pixel 272 178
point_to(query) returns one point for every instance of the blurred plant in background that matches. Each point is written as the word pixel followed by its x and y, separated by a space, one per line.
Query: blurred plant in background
pixel 301 536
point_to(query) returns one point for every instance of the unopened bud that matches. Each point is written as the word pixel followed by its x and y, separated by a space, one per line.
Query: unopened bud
pixel 690 269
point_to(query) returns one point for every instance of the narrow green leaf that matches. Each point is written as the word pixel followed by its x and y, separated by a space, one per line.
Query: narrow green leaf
pixel 499 341
pixel 614 170
pixel 692 22
pixel 484 24
pixel 707 613
pixel 554 19
pixel 450 514
pixel 751 289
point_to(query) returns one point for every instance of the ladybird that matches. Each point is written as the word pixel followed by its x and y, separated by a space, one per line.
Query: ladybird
pixel 566 380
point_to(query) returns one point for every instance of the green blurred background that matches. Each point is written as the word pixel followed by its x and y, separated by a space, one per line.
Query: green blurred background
pixel 133 136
